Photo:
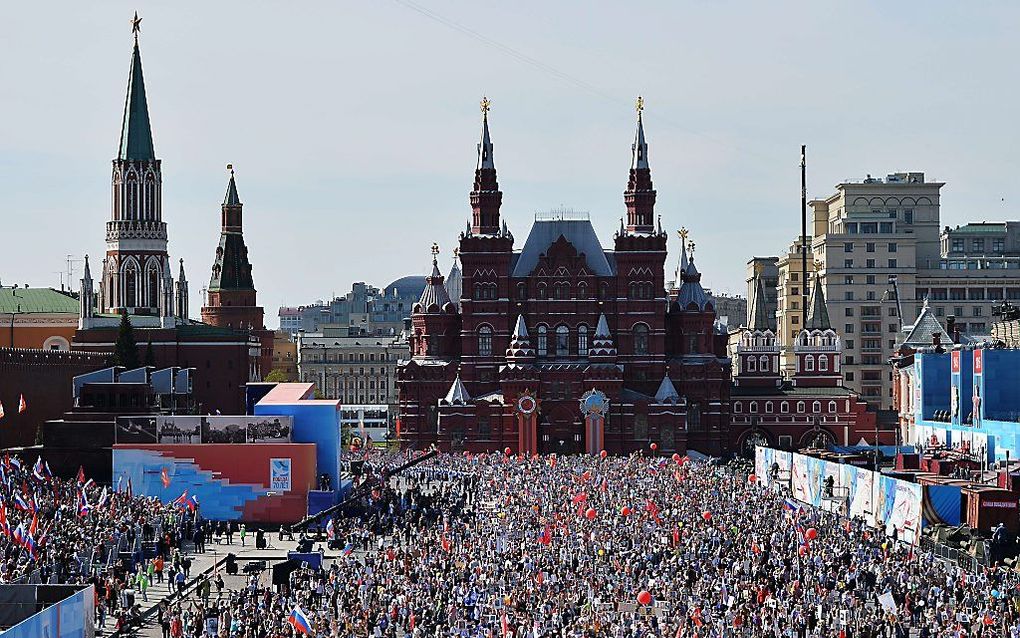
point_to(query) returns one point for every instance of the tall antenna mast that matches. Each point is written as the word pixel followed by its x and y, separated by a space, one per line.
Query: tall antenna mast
pixel 803 235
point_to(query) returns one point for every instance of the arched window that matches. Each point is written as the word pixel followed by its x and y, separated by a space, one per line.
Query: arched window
pixel 816 407
pixel 485 341
pixel 130 287
pixel 522 290
pixel 832 407
pixel 149 211
pixel 582 340
pixel 132 196
pixel 753 407
pixel 542 294
pixel 154 288
pixel 800 407
pixel 784 407
pixel 640 333
pixel 768 407
pixel 738 406
pixel 809 363
pixel 823 363
pixel 604 290
pixel 543 341
pixel 562 341
pixel 694 416
pixel 582 290
pixel 752 364
pixel 763 363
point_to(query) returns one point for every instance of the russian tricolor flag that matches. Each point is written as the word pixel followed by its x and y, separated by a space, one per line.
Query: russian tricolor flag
pixel 348 548
pixel 791 505
pixel 300 621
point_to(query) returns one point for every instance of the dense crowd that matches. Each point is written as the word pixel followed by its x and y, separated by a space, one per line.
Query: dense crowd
pixel 506 546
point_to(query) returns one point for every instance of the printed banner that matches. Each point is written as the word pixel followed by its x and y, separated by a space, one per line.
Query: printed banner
pixel 181 429
pixel 279 475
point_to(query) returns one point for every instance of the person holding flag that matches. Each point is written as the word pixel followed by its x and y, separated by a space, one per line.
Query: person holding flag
pixel 299 621
pixel 22 404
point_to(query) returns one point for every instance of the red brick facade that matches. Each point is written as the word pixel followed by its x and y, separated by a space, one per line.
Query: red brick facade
pixel 555 319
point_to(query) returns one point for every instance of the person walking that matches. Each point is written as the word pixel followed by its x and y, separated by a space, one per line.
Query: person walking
pixel 243 532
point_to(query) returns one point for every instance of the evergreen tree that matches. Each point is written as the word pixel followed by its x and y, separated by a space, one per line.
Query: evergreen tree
pixel 150 356
pixel 125 353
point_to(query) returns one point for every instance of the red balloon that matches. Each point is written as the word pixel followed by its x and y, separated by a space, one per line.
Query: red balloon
pixel 586 476
pixel 590 514
pixel 707 516
pixel 811 534
pixel 603 454
pixel 676 457
pixel 654 446
pixel 802 551
pixel 644 598
pixel 752 478
pixel 625 511
pixel 507 450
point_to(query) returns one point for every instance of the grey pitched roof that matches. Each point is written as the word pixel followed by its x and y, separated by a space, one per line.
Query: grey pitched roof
pixel 691 291
pixel 135 131
pixel 667 392
pixel 818 314
pixel 640 147
pixel 231 198
pixel 920 333
pixel 458 394
pixel 759 319
pixel 579 232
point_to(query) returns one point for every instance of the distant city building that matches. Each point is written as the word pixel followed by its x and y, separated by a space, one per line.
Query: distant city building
pixel 370 309
pixel 731 310
pixel 790 297
pixel 290 319
pixel 767 269
pixel 41 318
pixel 352 366
pixel 285 356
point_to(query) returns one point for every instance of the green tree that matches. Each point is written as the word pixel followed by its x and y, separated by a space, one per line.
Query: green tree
pixel 125 353
pixel 276 376
pixel 150 356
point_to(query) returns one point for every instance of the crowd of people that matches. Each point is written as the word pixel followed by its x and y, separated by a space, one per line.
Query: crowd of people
pixel 504 546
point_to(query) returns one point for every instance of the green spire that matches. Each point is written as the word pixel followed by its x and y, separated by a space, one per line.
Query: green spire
pixel 135 133
pixel 231 198
pixel 818 314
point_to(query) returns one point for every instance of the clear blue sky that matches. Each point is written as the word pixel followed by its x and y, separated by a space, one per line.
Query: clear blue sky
pixel 352 125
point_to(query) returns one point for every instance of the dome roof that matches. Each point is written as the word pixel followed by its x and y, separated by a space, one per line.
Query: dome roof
pixel 410 286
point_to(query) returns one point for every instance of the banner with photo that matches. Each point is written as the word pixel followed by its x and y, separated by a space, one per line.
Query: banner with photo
pixel 190 428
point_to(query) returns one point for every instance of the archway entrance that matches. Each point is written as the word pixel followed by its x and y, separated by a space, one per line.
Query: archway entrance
pixel 560 430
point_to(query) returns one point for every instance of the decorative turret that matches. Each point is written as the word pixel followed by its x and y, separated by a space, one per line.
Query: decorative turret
pixel 602 347
pixel 692 296
pixel 640 196
pixel 818 349
pixel 167 305
pixel 88 297
pixel 485 196
pixel 759 319
pixel 520 350
pixel 818 314
pixel 434 298
pixel 182 294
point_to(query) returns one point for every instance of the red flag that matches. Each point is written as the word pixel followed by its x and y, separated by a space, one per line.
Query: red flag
pixel 580 497
pixel 446 543
pixel 22 404
pixel 164 477
pixel 34 527
pixel 506 626
pixel 81 475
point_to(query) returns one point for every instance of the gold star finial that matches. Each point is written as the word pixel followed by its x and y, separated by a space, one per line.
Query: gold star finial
pixel 136 25
pixel 456 253
pixel 486 104
pixel 683 234
pixel 230 167
pixel 639 105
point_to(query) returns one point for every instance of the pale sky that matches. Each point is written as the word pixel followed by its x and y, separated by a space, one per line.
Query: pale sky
pixel 352 125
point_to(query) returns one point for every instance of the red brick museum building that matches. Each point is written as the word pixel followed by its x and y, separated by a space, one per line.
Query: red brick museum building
pixel 563 345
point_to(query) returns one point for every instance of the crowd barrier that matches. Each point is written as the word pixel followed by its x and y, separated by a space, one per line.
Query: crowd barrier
pixel 881 500
pixel 73 617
